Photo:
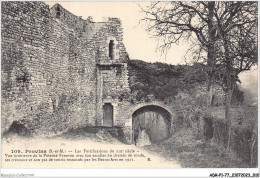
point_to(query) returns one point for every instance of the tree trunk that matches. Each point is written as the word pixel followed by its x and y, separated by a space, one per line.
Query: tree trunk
pixel 228 81
pixel 209 93
pixel 227 113
pixel 211 51
pixel 228 105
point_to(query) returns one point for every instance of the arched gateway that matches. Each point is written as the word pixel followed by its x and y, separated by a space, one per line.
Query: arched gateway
pixel 151 122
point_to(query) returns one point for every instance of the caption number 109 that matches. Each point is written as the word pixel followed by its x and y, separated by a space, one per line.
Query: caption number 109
pixel 16 151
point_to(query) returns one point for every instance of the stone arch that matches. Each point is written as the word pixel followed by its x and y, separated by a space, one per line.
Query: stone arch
pixel 155 103
pixel 163 125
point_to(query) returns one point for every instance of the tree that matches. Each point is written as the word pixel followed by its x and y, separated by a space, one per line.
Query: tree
pixel 236 28
pixel 224 30
pixel 193 21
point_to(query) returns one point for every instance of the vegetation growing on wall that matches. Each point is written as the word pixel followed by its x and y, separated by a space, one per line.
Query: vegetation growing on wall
pixel 164 81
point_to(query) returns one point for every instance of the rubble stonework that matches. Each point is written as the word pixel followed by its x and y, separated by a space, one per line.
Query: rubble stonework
pixel 54 61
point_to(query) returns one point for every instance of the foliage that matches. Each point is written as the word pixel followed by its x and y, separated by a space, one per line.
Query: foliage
pixel 164 81
pixel 159 79
pixel 192 152
pixel 241 139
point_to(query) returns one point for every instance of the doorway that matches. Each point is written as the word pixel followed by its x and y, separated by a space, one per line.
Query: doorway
pixel 108 115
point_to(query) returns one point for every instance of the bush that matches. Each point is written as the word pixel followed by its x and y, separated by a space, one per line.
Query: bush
pixel 241 140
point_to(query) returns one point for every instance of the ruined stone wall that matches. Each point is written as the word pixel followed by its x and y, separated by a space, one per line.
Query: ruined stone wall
pixel 89 48
pixel 112 74
pixel 49 68
pixel 45 69
pixel 115 89
pixel 24 86
pixel 72 21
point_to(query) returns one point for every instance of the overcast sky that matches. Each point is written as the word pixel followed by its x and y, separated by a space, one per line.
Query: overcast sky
pixel 138 43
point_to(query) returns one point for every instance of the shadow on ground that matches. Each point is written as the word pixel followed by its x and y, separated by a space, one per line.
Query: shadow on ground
pixel 99 134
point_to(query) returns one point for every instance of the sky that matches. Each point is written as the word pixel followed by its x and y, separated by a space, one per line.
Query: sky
pixel 137 41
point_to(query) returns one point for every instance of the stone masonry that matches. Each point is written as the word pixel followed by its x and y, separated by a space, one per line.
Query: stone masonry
pixel 54 61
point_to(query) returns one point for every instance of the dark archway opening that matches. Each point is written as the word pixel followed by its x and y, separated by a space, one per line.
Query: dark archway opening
pixel 150 122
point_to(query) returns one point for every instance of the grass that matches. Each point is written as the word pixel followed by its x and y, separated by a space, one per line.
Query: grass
pixel 244 115
pixel 192 152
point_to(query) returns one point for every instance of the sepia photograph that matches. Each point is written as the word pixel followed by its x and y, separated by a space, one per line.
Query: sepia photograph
pixel 129 84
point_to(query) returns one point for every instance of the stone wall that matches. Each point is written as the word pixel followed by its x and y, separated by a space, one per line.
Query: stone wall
pixel 73 22
pixel 25 26
pixel 112 75
pixel 53 66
